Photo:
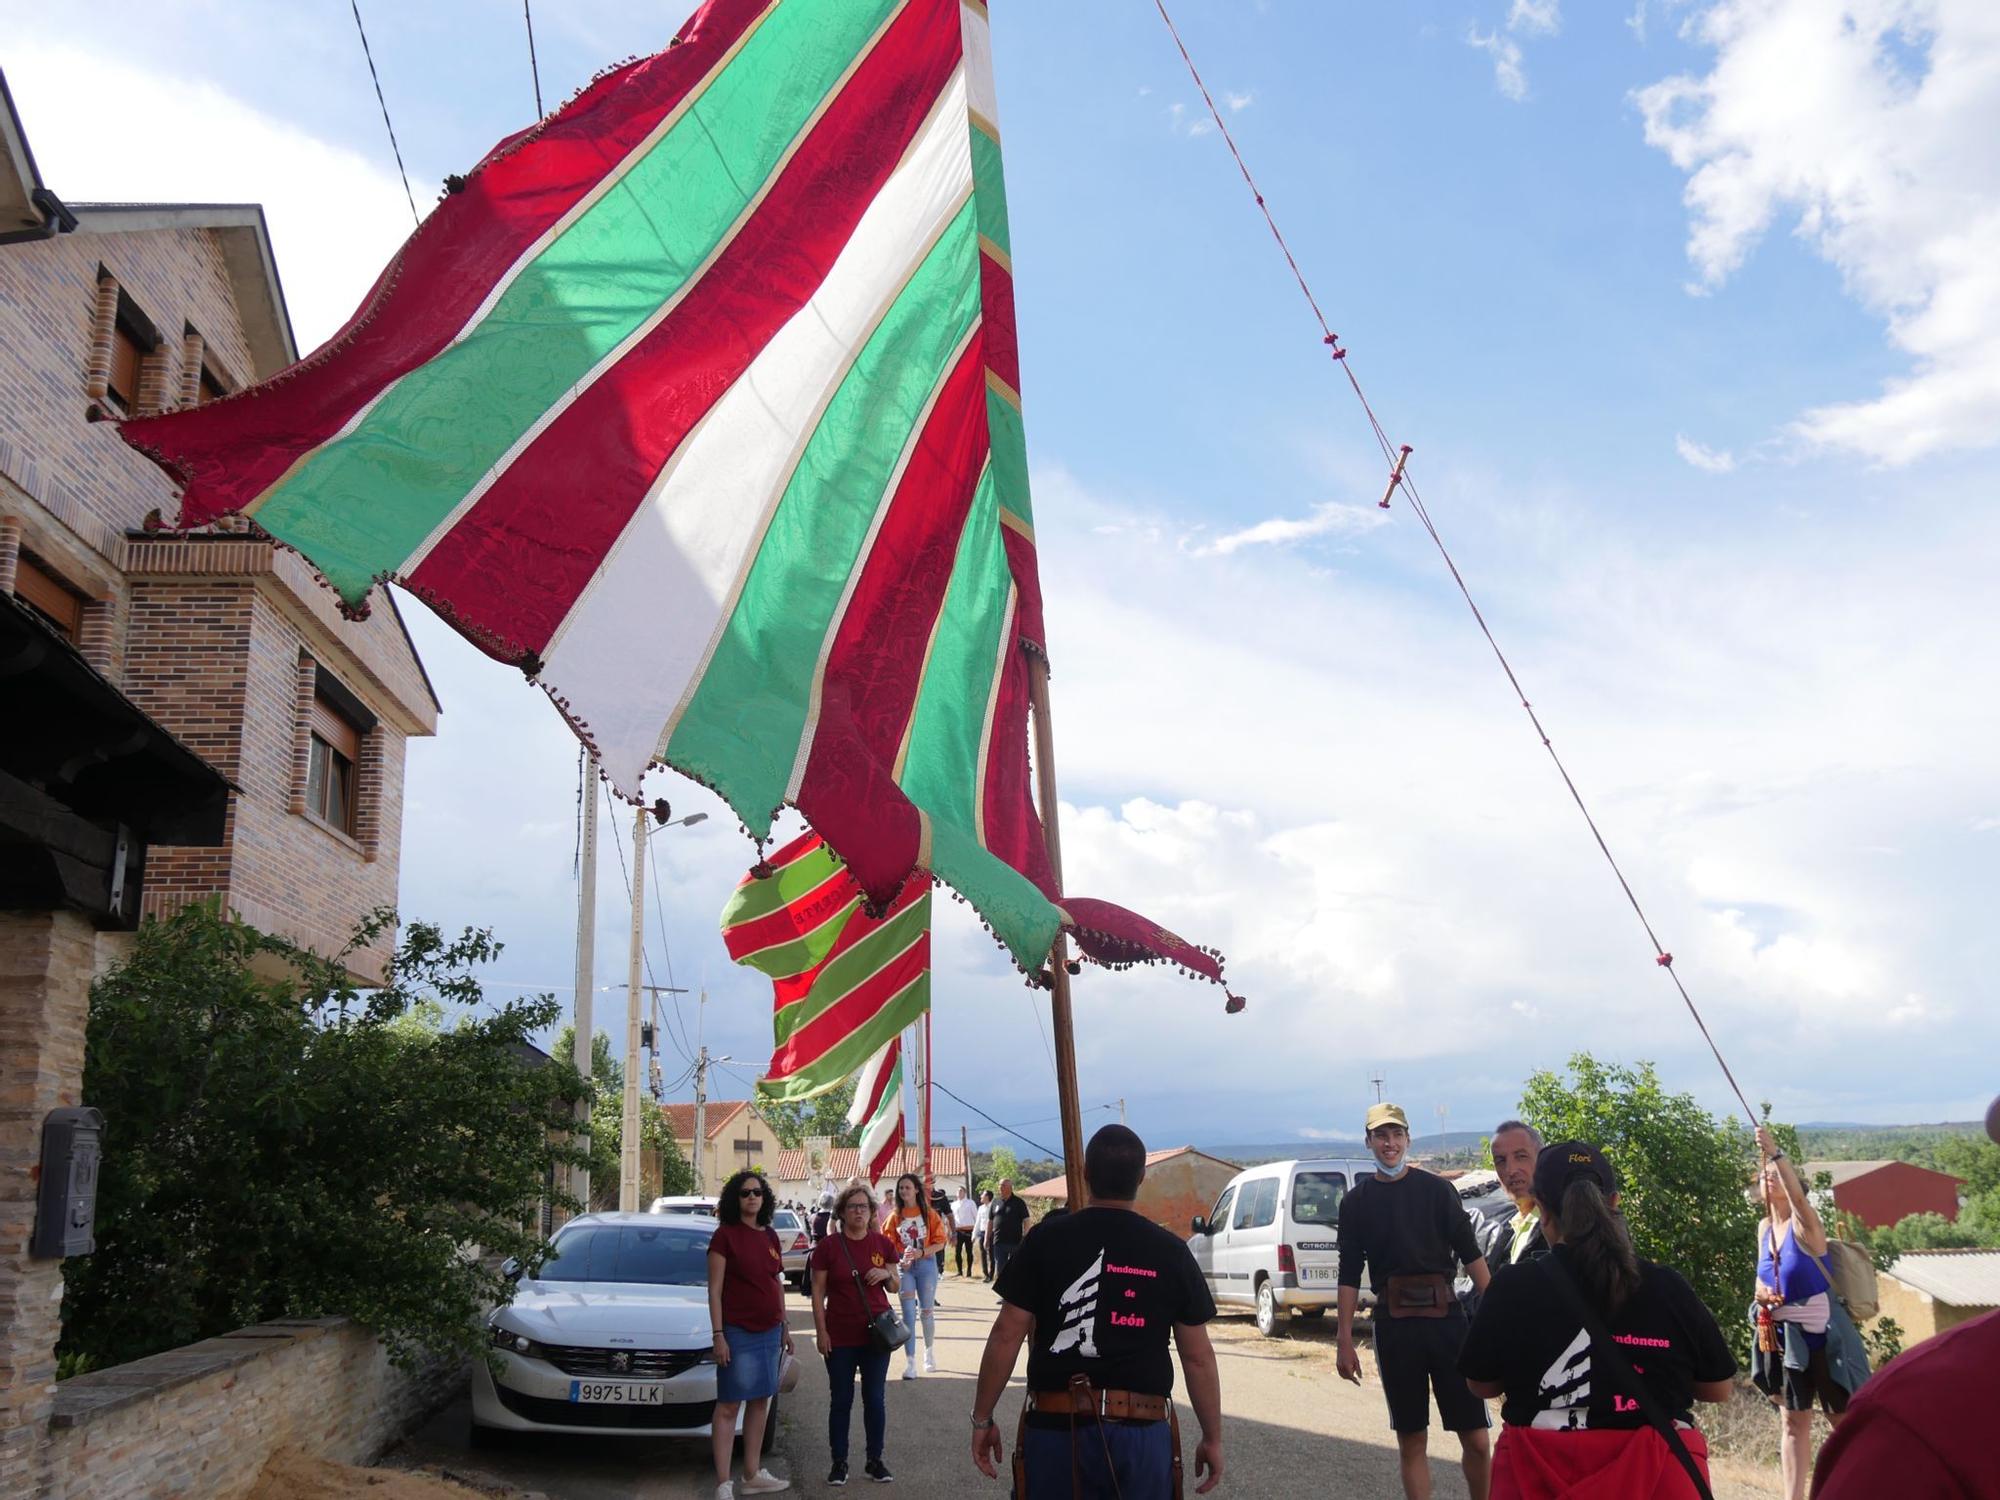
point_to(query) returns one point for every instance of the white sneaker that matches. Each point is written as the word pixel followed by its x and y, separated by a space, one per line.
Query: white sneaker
pixel 910 1370
pixel 764 1482
pixel 725 1491
pixel 930 1363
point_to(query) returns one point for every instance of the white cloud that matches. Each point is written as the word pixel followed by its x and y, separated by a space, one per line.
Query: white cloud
pixel 1508 76
pixel 335 217
pixel 1329 518
pixel 1237 103
pixel 1544 16
pixel 1708 460
pixel 1986 825
pixel 1864 123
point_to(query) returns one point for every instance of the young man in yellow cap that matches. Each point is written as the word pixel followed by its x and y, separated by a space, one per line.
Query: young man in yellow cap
pixel 1409 1229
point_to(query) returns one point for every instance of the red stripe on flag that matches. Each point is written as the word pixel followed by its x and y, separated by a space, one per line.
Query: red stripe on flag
pixel 1013 832
pixel 566 499
pixel 996 307
pixel 851 1011
pixel 859 926
pixel 228 453
pixel 791 854
pixel 876 663
pixel 1028 579
pixel 888 1152
pixel 789 923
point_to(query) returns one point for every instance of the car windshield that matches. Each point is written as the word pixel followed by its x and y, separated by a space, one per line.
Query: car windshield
pixel 672 1254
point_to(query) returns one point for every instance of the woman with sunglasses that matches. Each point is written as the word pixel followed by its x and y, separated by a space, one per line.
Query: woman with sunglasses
pixel 921 1235
pixel 746 1307
pixel 853 1271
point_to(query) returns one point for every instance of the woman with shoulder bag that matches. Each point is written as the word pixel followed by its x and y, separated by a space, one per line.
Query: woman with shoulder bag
pixel 746 1307
pixel 1598 1356
pixel 1795 1359
pixel 853 1271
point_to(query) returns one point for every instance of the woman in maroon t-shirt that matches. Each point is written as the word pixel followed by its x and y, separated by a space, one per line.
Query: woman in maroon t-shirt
pixel 746 1307
pixel 855 1249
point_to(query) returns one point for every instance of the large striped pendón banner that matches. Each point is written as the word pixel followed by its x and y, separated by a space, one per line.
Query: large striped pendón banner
pixel 699 401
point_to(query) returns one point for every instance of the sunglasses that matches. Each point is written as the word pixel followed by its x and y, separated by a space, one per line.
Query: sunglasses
pixel 749 1192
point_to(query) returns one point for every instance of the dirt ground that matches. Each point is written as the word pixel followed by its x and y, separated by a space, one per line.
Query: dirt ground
pixel 293 1476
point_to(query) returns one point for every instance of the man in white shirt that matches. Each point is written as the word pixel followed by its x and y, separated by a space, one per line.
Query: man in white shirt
pixel 964 1217
pixel 982 1233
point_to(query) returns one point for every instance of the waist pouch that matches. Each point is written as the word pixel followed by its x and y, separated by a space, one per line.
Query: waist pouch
pixel 1426 1295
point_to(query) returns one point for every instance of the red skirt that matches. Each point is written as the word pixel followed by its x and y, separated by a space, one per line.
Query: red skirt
pixel 1532 1463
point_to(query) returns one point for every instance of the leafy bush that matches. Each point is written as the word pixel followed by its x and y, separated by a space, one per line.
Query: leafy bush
pixel 1684 1175
pixel 607 1125
pixel 281 1143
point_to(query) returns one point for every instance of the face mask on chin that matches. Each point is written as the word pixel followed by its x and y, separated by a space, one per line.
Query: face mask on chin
pixel 1392 1173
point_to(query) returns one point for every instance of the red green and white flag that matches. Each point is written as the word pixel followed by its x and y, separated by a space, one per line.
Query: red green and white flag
pixel 699 401
pixel 845 983
pixel 877 1111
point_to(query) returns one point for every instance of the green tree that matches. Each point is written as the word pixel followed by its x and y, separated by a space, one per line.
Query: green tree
pixel 1976 1161
pixel 1002 1163
pixel 1683 1171
pixel 793 1120
pixel 298 1146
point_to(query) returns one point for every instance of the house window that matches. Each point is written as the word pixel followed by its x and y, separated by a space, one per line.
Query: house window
pixel 212 388
pixel 128 358
pixel 48 596
pixel 334 753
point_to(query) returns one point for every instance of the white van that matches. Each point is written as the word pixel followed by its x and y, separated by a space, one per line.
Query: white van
pixel 1271 1241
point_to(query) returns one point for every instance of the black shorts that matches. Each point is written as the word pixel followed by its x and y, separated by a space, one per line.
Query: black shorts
pixel 1801 1386
pixel 1418 1356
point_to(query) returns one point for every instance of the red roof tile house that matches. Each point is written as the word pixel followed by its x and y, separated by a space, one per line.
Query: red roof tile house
pixel 1881 1193
pixel 1180 1183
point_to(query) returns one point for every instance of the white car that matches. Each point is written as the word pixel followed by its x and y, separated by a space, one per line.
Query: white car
pixel 610 1336
pixel 683 1203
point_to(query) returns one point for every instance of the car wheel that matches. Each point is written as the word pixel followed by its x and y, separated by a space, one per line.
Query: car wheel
pixel 1270 1317
pixel 1312 1312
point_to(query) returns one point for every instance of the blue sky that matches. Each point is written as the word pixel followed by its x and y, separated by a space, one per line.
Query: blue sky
pixel 1691 312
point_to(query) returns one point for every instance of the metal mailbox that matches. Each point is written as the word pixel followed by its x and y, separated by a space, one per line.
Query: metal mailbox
pixel 66 1211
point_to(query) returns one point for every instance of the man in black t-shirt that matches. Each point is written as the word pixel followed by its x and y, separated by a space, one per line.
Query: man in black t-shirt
pixel 1010 1222
pixel 1097 1294
pixel 1408 1228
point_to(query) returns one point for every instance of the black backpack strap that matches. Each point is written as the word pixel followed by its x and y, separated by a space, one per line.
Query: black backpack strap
pixel 1612 1359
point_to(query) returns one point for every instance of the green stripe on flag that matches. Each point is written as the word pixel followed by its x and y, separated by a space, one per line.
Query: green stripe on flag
pixel 1019 914
pixel 1010 454
pixel 991 187
pixel 947 728
pixel 359 505
pixel 783 960
pixel 743 724
pixel 760 898
pixel 839 1061
pixel 853 968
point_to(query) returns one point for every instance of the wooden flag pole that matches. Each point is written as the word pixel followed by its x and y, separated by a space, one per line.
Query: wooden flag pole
pixel 1060 1015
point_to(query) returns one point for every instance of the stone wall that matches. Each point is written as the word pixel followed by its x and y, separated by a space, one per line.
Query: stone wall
pixel 203 1420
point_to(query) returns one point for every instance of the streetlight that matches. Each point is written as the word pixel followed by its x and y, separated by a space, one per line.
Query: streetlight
pixel 628 1146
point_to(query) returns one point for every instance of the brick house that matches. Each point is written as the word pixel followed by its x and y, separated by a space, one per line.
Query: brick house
pixel 223 638
pixel 180 716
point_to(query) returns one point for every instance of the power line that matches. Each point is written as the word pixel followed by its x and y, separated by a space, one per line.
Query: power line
pixel 666 948
pixel 645 955
pixel 534 69
pixel 355 6
pixel 1399 478
pixel 1055 1155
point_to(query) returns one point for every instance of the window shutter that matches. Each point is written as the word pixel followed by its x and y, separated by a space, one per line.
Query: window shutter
pixel 336 729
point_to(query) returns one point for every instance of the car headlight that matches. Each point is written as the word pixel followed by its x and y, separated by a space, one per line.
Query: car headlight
pixel 512 1342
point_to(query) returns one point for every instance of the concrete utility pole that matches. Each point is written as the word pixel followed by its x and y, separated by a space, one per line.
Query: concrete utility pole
pixel 628 1139
pixel 586 978
pixel 965 1150
pixel 1121 1111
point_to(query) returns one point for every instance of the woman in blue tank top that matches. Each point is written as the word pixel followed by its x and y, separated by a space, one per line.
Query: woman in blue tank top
pixel 1791 1284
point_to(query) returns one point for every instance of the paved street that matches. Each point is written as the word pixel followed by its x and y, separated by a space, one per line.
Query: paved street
pixel 1292 1427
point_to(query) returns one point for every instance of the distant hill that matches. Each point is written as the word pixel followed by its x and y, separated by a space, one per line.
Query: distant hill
pixel 1423 1145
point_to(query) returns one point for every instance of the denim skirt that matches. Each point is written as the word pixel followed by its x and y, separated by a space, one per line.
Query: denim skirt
pixel 752 1371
